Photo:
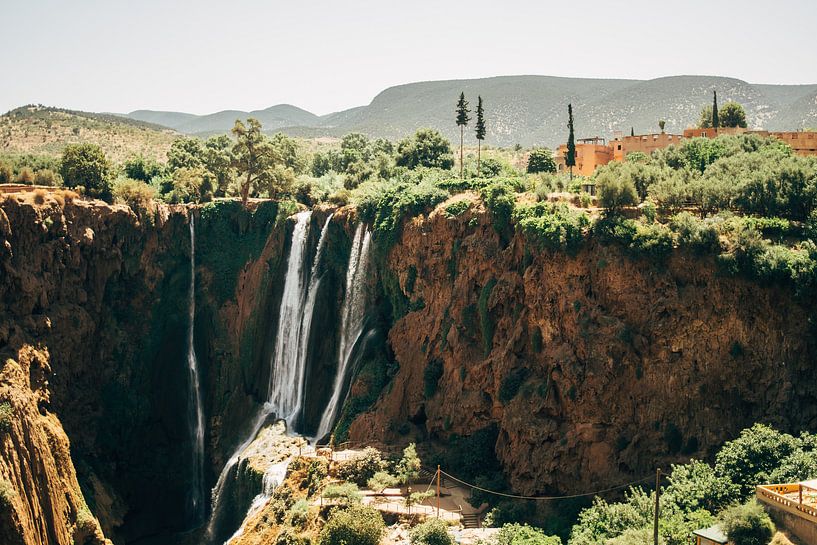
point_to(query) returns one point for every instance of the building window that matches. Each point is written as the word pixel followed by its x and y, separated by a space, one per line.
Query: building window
pixel 619 147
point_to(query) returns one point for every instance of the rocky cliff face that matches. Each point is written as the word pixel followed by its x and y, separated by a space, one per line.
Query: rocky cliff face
pixel 594 368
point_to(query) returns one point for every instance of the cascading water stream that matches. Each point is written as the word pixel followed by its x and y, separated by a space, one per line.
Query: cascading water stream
pixel 288 363
pixel 353 313
pixel 195 413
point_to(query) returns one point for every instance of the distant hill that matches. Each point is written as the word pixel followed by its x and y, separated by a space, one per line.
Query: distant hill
pixel 531 110
pixel 46 130
pixel 273 118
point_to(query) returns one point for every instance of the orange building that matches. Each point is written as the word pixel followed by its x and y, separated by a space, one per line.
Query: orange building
pixel 645 143
pixel 712 132
pixel 591 153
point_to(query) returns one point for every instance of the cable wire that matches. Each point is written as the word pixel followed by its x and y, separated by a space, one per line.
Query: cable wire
pixel 515 496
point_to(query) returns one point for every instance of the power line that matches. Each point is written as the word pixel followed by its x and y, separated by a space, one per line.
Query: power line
pixel 517 497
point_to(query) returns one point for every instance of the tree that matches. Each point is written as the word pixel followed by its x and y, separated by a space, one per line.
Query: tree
pixel 615 192
pixel 426 148
pixel 85 165
pixel 480 130
pixel 431 532
pixel 632 131
pixel 344 493
pixel 357 524
pixel 570 156
pixel 705 119
pixel 522 534
pixel 141 168
pixel 747 524
pixel 541 160
pixel 381 481
pixel 253 156
pixel 408 468
pixel 462 122
pixel 185 152
pixel 715 119
pixel 218 160
pixel 661 124
pixel 732 114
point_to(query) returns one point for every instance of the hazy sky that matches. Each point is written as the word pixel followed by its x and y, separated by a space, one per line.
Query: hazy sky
pixel 208 55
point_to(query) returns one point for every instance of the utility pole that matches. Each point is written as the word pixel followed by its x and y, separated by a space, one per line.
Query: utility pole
pixel 657 505
pixel 438 491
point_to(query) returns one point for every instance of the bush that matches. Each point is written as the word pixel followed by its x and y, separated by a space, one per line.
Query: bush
pixel 431 532
pixel 344 493
pixel 500 198
pixel 7 495
pixel 362 467
pixel 356 525
pixel 25 176
pixel 457 208
pixel 522 534
pixel 138 195
pixel 47 177
pixel 552 226
pixel 299 514
pixel 6 417
pixel 381 481
pixel 6 173
pixel 747 524
pixel 615 192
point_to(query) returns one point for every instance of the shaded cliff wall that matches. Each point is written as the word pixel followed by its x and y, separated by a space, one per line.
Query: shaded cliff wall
pixel 595 367
pixel 104 293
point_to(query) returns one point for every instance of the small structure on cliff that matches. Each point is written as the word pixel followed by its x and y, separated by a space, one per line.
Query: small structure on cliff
pixel 709 536
pixel 792 505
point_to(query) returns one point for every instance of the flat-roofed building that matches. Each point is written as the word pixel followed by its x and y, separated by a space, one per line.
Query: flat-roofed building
pixel 644 143
pixel 591 153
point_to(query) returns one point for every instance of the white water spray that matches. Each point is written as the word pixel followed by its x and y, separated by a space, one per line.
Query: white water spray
pixel 353 313
pixel 195 412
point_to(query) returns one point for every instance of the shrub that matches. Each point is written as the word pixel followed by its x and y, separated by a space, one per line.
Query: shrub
pixel 699 235
pixel 522 534
pixel 25 176
pixel 289 537
pixel 381 481
pixel 39 196
pixel 486 324
pixel 6 173
pixel 7 495
pixel 47 177
pixel 457 208
pixel 86 522
pixel 6 417
pixel 615 192
pixel 344 493
pixel 138 195
pixel 552 226
pixel 140 168
pixel 358 525
pixel 431 532
pixel 431 377
pixel 362 467
pixel 299 514
pixel 499 196
pixel 747 524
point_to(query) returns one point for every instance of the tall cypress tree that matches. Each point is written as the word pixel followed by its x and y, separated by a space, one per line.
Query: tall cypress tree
pixel 462 121
pixel 570 158
pixel 715 121
pixel 632 131
pixel 480 130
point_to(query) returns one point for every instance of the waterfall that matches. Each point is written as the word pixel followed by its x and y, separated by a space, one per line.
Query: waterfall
pixel 288 362
pixel 195 414
pixel 353 313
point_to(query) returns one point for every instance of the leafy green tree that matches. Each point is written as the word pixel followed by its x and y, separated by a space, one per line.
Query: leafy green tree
pixel 705 119
pixel 522 534
pixel 462 122
pixel 715 118
pixel 190 185
pixel 431 532
pixel 85 165
pixel 480 131
pixel 426 148
pixel 408 468
pixel 289 152
pixel 356 525
pixel 570 156
pixel 747 524
pixel 185 152
pixel 254 158
pixel 138 167
pixel 541 160
pixel 218 160
pixel 695 485
pixel 343 493
pixel 615 192
pixel 732 114
pixel 362 467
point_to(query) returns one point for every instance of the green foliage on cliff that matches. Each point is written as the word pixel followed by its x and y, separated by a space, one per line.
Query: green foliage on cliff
pixel 552 226
pixel 234 237
pixel 698 491
pixel 7 495
pixel 431 532
pixel 357 524
pixel 500 198
pixel 486 323
pixel 522 534
pixel 6 417
pixel 747 524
